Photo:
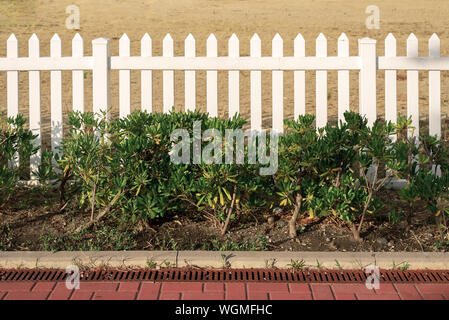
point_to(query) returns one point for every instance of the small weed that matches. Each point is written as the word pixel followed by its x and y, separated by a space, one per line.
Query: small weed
pixel 405 266
pixel 270 263
pixel 151 264
pixel 225 261
pixel 318 264
pixel 338 265
pixel 297 264
pixel 395 216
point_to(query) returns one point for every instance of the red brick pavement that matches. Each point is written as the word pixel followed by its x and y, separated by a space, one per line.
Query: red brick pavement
pixel 35 290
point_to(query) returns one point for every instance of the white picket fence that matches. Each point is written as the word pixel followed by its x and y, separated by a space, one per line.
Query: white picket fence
pixel 101 63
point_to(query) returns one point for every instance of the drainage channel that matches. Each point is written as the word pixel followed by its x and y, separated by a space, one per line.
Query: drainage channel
pixel 229 275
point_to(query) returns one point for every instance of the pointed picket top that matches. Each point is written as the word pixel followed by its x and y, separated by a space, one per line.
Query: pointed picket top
pixel 277 46
pixel 77 37
pixel 233 46
pixel 167 45
pixel 12 46
pixel 189 46
pixel 255 46
pixel 12 38
pixel 412 37
pixel 412 46
pixel 434 46
pixel 124 45
pixel 145 45
pixel 212 46
pixel 190 37
pixel 343 37
pixel 55 46
pixel 390 37
pixel 146 37
pixel 321 46
pixel 77 46
pixel 124 38
pixel 55 38
pixel 343 45
pixel 299 46
pixel 33 46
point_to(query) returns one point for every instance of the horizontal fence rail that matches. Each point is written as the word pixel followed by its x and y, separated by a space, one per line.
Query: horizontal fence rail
pixel 367 62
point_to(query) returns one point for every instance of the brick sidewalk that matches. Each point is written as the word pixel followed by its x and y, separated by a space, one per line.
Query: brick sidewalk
pixel 219 291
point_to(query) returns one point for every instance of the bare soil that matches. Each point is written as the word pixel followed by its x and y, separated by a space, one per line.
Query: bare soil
pixel 32 221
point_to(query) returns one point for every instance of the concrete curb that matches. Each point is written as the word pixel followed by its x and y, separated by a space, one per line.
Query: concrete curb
pixel 220 259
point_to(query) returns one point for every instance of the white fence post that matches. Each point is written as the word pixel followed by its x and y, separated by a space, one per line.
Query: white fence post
pixel 78 75
pixel 343 78
pixel 35 104
pixel 234 77
pixel 321 84
pixel 124 79
pixel 434 90
pixel 413 86
pixel 168 76
pixel 299 79
pixel 101 78
pixel 278 87
pixel 146 76
pixel 56 97
pixel 367 87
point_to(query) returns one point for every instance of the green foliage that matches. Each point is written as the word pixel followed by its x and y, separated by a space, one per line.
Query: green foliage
pixel 15 141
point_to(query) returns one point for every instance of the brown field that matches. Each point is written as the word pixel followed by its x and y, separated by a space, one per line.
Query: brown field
pixel 112 18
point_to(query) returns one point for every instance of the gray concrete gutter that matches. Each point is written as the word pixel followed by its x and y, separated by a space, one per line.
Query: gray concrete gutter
pixel 220 259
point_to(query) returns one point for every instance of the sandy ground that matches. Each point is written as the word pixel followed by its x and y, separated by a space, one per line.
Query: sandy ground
pixel 112 18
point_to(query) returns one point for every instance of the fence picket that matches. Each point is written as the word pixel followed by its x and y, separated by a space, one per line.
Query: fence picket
pixel 367 77
pixel 35 104
pixel 256 86
pixel 413 86
pixel 12 51
pixel 390 82
pixel 124 79
pixel 212 78
pixel 190 86
pixel 343 78
pixel 101 76
pixel 321 84
pixel 168 76
pixel 234 77
pixel 299 79
pixel 146 76
pixel 12 87
pixel 78 75
pixel 278 87
pixel 434 90
pixel 56 97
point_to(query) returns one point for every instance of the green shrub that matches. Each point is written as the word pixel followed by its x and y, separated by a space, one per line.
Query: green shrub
pixel 16 143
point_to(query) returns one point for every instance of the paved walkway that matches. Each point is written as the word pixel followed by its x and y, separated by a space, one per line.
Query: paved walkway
pixel 218 291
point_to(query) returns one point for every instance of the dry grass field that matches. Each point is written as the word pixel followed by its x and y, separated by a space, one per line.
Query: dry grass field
pixel 112 18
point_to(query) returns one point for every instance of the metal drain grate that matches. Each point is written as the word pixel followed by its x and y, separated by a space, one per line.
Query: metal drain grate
pixel 231 275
